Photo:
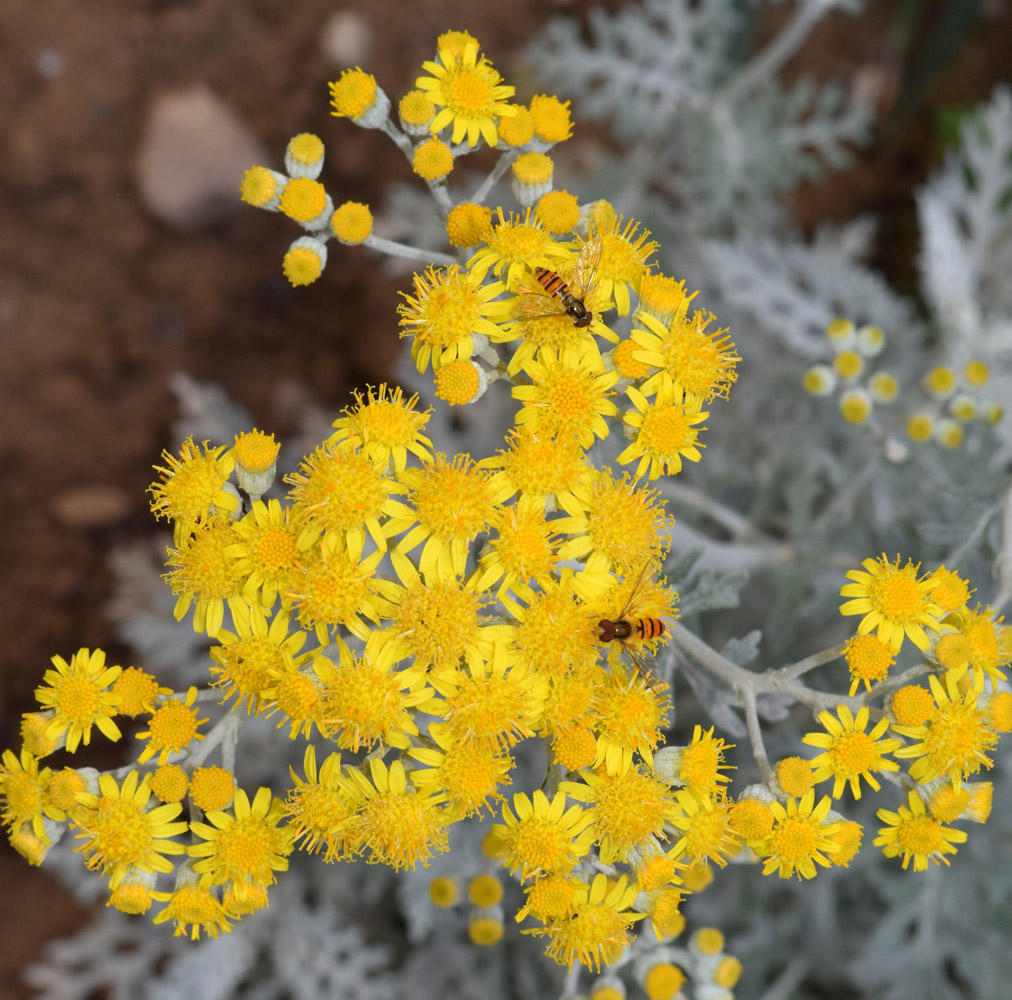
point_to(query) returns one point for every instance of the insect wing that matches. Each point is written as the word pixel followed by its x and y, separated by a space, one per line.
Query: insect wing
pixel 586 267
pixel 646 666
pixel 535 303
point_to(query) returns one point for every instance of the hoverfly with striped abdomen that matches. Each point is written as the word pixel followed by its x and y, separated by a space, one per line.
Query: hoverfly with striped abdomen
pixel 557 297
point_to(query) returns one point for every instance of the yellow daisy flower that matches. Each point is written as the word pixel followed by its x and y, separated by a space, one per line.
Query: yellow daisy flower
pixel 893 601
pixel 801 837
pixel 321 810
pixel 514 247
pixel 849 753
pixel 246 844
pixel 385 427
pixel 78 695
pixel 665 433
pixel 468 92
pixel 912 833
pixel 192 906
pixel 171 729
pixel 119 833
pixel 267 558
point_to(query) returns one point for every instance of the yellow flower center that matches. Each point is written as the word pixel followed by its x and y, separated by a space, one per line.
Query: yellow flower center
pixel 169 783
pixel 551 897
pixel 554 636
pixel 173 726
pixel 337 488
pixel 437 623
pixel 524 545
pixel 551 118
pixel 542 846
pixel 657 871
pixel 255 451
pixel 706 834
pixel 949 589
pixel 558 211
pixel 631 807
pixel 468 224
pixel 898 597
pixel 953 650
pixel 957 737
pixel 458 382
pixel 982 637
pixel 665 912
pixel 203 566
pixel 848 364
pixel 432 160
pixel 533 168
pixel 244 896
pixel 727 973
pixel 541 464
pixel 853 753
pixel 699 764
pixel 119 834
pixel 77 700
pixel 246 666
pixel 665 429
pixel 702 365
pixel 133 898
pixel 63 788
pixel 364 703
pixel 485 891
pixel 491 711
pixel 485 931
pixel 794 840
pixel 751 818
pixel 999 712
pixel 661 296
pixel 625 364
pixel 305 148
pixel 518 241
pixel 416 109
pixel 303 199
pixel 452 501
pixel 469 93
pixel 948 803
pixel 400 830
pixel 443 891
pixel 517 130
pixel 24 796
pixel 868 657
pixel 275 549
pixel 302 265
pixel 336 591
pixel 663 981
pixel 795 776
pixel 848 841
pixel 353 94
pixel 193 905
pixel 470 775
pixel 245 849
pixel 912 705
pixel 574 747
pixel 920 835
pixel 212 787
pixel 594 934
pixel 352 222
pixel 258 186
pixel 297 697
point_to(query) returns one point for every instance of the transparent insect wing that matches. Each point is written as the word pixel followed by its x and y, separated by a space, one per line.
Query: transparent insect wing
pixel 535 303
pixel 586 267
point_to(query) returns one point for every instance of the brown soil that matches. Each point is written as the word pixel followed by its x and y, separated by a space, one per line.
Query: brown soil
pixel 100 303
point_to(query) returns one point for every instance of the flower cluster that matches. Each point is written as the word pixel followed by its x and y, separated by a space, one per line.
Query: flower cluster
pixel 954 401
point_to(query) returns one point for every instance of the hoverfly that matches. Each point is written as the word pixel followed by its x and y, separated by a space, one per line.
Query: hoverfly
pixel 561 298
pixel 625 631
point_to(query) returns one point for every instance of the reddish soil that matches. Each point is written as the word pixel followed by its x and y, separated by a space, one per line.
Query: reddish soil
pixel 100 303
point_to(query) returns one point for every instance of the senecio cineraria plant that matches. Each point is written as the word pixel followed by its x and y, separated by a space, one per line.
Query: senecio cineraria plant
pixel 418 620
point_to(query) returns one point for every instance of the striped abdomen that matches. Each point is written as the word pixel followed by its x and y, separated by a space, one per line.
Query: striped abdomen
pixel 639 628
pixel 555 287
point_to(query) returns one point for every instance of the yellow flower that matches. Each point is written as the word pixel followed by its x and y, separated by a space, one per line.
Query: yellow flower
pixel 705 822
pixel 558 211
pixel 614 524
pixel 984 642
pixel 366 702
pixel 192 488
pixel 911 832
pixel 628 714
pixel 893 601
pixel 794 776
pixel 801 837
pixel 267 558
pixel 450 308
pixel 623 262
pixel 356 96
pixel 569 394
pixel 432 160
pixel 449 503
pixel 385 427
pixel 398 827
pixel 352 222
pixel 869 659
pixel 629 806
pixel 468 774
pixel 551 118
pixel 118 833
pixel 339 494
pixel 536 465
pixel 202 573
pixel 849 753
pixel 665 434
pixel 949 590
pixel 76 694
pixel 690 359
pixel 246 844
pixel 955 738
pixel 467 224
pixel 304 261
pixel 520 549
pixel 24 792
pixel 544 838
pixel 698 765
pixel 191 905
pixel 171 729
pixel 256 461
pixel 248 661
pixel 468 92
pixel 517 245
pixel 305 201
pixel 212 788
pixel 596 930
pixel 321 810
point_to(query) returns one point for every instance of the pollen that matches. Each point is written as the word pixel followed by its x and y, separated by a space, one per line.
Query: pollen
pixel 432 160
pixel 212 788
pixel 169 783
pixel 558 211
pixel 542 845
pixel 259 187
pixel 352 222
pixel 552 122
pixel 625 361
pixel 666 430
pixel 467 224
pixel 303 199
pixel 353 94
pixel 459 382
pixel 921 835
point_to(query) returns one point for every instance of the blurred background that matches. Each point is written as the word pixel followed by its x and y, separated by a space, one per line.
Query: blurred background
pixel 126 257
